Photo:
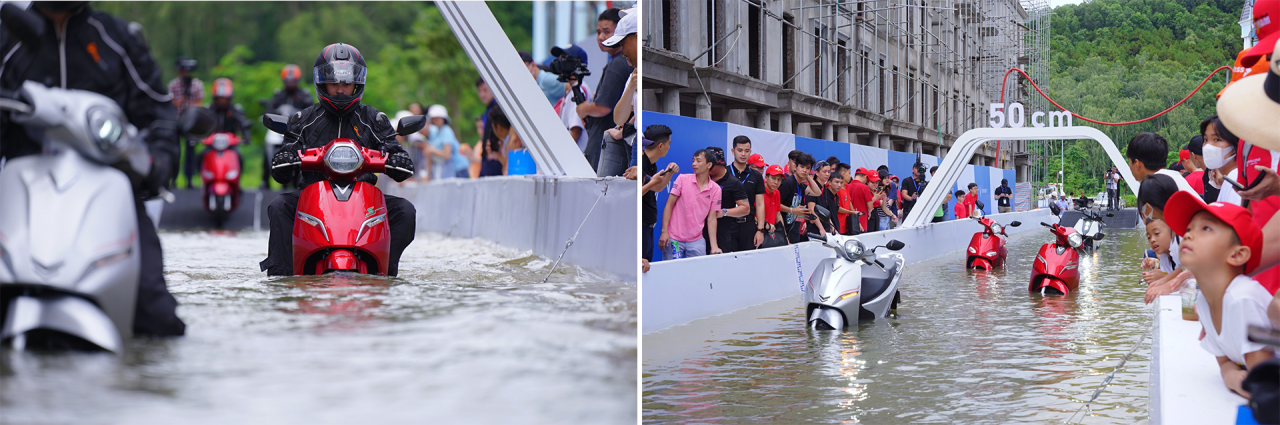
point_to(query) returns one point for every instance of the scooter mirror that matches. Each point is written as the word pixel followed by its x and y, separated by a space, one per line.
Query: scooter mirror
pixel 276 123
pixel 1015 224
pixel 895 245
pixel 23 24
pixel 1055 209
pixel 1099 236
pixel 198 122
pixel 822 211
pixel 411 124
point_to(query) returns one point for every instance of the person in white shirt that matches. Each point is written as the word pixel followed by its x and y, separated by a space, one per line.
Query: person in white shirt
pixel 1153 196
pixel 1221 243
pixel 1147 153
pixel 566 108
pixel 1219 157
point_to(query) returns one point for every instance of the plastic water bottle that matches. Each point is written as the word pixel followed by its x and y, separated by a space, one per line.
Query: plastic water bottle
pixel 675 250
pixel 1188 291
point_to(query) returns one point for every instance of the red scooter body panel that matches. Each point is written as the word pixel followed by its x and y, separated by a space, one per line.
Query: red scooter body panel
pixel 983 244
pixel 348 232
pixel 343 222
pixel 1057 265
pixel 215 165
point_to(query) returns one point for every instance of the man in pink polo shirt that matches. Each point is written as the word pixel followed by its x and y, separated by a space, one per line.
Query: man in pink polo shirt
pixel 693 203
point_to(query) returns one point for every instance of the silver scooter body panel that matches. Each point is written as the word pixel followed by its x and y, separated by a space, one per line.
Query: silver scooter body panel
pixel 834 295
pixel 69 245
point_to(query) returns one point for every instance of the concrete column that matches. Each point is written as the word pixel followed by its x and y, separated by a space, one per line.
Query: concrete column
pixel 828 131
pixel 764 119
pixel 885 143
pixel 784 123
pixel 736 116
pixel 873 139
pixel 842 133
pixel 671 101
pixel 942 152
pixel 703 107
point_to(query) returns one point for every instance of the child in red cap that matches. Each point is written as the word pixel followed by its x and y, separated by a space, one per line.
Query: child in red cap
pixel 1220 243
pixel 773 177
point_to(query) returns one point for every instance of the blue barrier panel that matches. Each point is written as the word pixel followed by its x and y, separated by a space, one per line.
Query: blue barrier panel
pixel 822 149
pixel 900 164
pixel 982 176
pixel 687 136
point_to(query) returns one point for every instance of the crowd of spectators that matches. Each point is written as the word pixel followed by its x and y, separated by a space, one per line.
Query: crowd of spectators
pixel 734 201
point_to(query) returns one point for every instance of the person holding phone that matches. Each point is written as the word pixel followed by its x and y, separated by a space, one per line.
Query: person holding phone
pixel 657 141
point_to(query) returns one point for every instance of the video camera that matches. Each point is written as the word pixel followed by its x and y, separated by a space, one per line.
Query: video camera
pixel 570 67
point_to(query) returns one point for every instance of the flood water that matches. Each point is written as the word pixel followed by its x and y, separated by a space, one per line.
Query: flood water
pixel 965 347
pixel 467 333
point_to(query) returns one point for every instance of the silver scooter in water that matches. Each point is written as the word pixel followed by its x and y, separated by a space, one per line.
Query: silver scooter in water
pixel 69 250
pixel 857 284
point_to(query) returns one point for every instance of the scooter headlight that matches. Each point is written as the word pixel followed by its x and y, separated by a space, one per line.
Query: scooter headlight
pixel 853 250
pixel 343 159
pixel 997 229
pixel 221 141
pixel 231 175
pixel 208 175
pixel 106 128
pixel 1075 240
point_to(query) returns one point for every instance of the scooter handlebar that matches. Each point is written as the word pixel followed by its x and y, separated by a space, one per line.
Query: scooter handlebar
pixel 1046 225
pixel 817 236
pixel 375 161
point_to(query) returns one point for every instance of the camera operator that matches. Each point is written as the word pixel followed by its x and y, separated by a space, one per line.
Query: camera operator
pixel 598 113
pixel 1113 181
pixel 571 66
pixel 912 188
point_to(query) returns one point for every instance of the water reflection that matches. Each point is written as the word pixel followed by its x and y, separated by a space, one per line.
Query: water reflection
pixel 965 347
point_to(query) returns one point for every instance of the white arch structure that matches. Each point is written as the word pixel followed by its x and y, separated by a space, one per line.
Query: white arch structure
pixel 495 57
pixel 969 142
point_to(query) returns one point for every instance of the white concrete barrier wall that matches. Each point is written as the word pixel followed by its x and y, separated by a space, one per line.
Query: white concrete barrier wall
pixel 1186 386
pixel 680 291
pixel 537 213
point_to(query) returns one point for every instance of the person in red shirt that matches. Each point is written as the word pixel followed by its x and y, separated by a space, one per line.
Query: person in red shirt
pixel 772 198
pixel 860 197
pixel 835 184
pixel 1195 163
pixel 971 199
pixel 962 207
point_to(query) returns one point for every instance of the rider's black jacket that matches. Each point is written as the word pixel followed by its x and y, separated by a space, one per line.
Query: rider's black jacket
pixel 314 127
pixel 300 99
pixel 233 121
pixel 100 53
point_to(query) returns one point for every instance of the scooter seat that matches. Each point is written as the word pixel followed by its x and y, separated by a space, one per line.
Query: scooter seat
pixel 874 281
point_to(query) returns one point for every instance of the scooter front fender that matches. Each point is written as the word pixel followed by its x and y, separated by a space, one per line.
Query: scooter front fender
pixel 64 313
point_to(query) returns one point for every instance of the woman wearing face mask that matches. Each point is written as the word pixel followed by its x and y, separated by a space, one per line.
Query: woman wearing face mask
pixel 1219 155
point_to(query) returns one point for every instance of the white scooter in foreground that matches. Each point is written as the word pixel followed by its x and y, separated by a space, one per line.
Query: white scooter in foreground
pixel 857 284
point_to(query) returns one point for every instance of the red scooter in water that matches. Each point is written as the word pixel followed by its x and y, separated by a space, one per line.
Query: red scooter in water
pixel 220 172
pixel 986 249
pixel 341 224
pixel 1056 268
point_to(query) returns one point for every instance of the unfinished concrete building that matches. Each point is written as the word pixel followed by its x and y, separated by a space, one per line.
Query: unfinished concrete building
pixel 906 75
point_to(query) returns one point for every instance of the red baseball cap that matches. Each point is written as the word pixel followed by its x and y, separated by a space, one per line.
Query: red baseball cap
pixel 1239 71
pixel 1184 155
pixel 1266 24
pixel 873 177
pixel 773 170
pixel 862 171
pixel 1183 205
pixel 756 160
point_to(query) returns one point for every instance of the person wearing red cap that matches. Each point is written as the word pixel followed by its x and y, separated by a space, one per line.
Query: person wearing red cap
pixel 844 203
pixel 1266 24
pixel 756 162
pixel 750 233
pixel 772 198
pixel 860 197
pixel 1220 243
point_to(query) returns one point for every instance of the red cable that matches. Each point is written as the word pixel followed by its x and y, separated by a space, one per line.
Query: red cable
pixel 1046 97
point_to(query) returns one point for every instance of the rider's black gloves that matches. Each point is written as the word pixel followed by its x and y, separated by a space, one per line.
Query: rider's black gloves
pixel 285 165
pixel 150 185
pixel 399 167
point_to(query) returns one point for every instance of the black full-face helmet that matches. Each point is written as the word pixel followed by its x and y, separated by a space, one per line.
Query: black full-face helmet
pixel 339 63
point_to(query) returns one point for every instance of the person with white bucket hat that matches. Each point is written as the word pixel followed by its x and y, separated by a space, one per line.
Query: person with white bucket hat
pixel 442 146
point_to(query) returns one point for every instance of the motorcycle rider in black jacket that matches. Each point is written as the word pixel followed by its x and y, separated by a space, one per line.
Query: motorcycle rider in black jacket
pixel 291 95
pixel 340 76
pixel 83 49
